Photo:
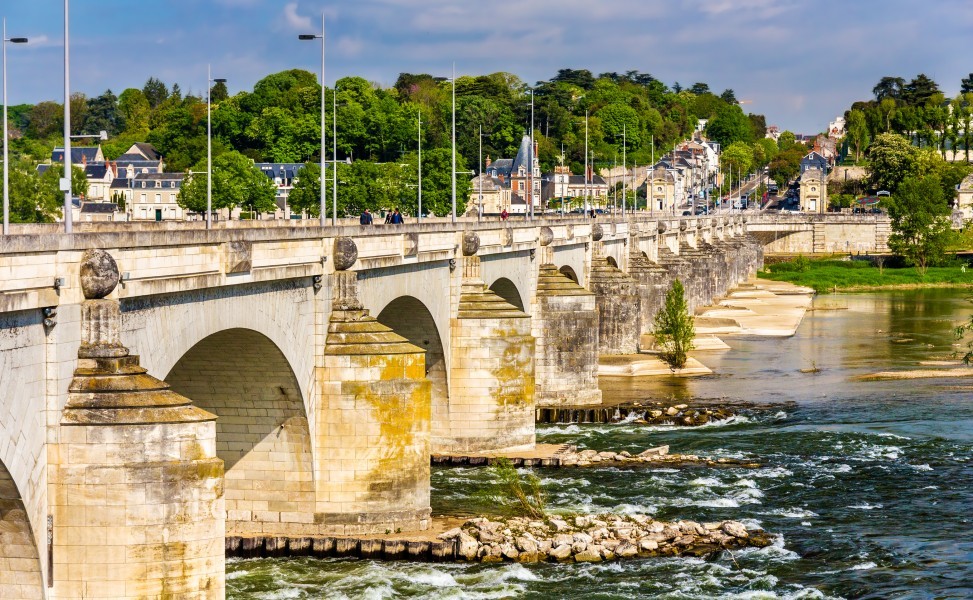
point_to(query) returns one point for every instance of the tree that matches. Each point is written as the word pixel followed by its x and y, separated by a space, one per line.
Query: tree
pixel 155 92
pixel 134 110
pixel 699 88
pixel 966 84
pixel 920 222
pixel 737 159
pixel 305 197
pixel 218 92
pixel 45 119
pixel 674 331
pixel 891 159
pixel 236 182
pixel 857 132
pixel 730 125
pixel 888 87
pixel 103 115
pixel 920 89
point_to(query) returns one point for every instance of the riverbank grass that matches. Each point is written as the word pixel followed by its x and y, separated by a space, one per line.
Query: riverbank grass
pixel 830 275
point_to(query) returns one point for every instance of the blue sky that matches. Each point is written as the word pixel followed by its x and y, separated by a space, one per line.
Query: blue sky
pixel 799 62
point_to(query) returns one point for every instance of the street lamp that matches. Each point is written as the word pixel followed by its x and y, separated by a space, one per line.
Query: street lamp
pixel 324 160
pixel 209 146
pixel 419 217
pixel 6 184
pixel 453 170
pixel 334 149
pixel 65 182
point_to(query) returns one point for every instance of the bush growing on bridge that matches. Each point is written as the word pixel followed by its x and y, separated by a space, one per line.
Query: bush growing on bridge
pixel 674 330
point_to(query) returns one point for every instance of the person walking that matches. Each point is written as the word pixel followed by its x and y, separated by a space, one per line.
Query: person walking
pixel 397 217
pixel 366 218
pixel 503 215
pixel 388 217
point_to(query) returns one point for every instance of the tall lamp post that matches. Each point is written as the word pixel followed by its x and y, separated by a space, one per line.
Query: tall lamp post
pixel 209 145
pixel 479 184
pixel 453 170
pixel 419 207
pixel 6 184
pixel 324 125
pixel 65 182
pixel 334 152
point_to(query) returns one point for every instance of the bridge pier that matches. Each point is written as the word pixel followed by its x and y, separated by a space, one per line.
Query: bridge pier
pixel 492 386
pixel 137 490
pixel 373 425
pixel 565 327
pixel 618 305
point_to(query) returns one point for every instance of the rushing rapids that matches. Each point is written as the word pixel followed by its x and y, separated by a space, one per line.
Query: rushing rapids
pixel 866 484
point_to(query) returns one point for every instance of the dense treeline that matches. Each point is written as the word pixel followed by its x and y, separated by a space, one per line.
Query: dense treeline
pixel 916 109
pixel 279 121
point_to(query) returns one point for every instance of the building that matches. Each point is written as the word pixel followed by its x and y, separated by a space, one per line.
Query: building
pixel 814 160
pixel 141 157
pixel 561 186
pixel 661 190
pixel 814 190
pixel 155 197
pixel 836 128
pixel 98 211
pixel 80 155
pixel 284 176
pixel 495 198
pixel 964 197
pixel 515 178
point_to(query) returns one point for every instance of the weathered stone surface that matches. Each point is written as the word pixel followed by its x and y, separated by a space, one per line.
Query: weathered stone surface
pixel 597 232
pixel 345 253
pixel 471 243
pixel 99 274
pixel 545 236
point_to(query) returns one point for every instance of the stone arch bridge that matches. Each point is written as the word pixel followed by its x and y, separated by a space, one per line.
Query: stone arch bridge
pixel 165 387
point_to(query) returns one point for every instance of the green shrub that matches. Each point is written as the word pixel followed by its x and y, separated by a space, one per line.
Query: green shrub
pixel 674 330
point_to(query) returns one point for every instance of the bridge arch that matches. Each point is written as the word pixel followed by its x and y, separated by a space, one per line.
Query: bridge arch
pixel 567 271
pixel 576 257
pixel 262 431
pixel 507 290
pixel 409 317
pixel 611 261
pixel 20 573
pixel 281 311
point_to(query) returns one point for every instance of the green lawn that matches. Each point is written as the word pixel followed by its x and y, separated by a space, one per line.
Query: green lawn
pixel 830 275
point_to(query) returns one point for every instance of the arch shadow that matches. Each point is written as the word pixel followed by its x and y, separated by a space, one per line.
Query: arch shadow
pixel 409 317
pixel 20 576
pixel 569 272
pixel 262 432
pixel 611 261
pixel 507 290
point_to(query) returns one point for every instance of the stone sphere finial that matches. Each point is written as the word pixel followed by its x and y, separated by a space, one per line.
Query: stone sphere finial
pixel 99 274
pixel 471 243
pixel 345 253
pixel 597 232
pixel 663 227
pixel 683 225
pixel 546 236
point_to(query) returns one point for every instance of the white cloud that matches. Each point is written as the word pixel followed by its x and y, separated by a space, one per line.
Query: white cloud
pixel 294 20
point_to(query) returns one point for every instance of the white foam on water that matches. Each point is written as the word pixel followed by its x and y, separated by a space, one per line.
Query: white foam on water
pixel 792 513
pixel 706 481
pixel 865 506
pixel 863 566
pixel 923 467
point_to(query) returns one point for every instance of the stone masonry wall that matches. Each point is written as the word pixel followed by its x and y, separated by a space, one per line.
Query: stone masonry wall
pixel 491 400
pixel 261 431
pixel 20 567
pixel 566 332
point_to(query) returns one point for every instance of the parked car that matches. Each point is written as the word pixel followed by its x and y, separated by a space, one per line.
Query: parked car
pixel 687 213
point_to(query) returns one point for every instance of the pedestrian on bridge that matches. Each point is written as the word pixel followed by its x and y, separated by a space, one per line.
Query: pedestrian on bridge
pixel 396 218
pixel 366 218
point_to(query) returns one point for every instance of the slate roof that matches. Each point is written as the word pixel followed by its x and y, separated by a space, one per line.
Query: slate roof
pixel 501 166
pixel 147 151
pixel 121 183
pixel 286 171
pixel 99 207
pixel 95 171
pixel 88 153
pixel 524 158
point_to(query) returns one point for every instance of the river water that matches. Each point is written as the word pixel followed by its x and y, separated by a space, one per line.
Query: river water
pixel 868 484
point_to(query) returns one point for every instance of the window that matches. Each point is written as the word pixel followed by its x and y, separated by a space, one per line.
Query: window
pixel 158 198
pixel 142 199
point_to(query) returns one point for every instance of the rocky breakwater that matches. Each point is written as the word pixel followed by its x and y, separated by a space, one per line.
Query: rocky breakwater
pixel 637 413
pixel 572 457
pixel 595 538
